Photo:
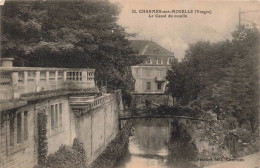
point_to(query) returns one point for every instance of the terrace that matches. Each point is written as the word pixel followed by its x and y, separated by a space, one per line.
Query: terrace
pixel 18 81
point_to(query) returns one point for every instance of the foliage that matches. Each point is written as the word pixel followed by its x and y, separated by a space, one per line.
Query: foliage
pixel 222 77
pixel 71 34
pixel 175 111
pixel 231 123
pixel 118 98
pixel 68 157
pixel 177 81
pixel 43 144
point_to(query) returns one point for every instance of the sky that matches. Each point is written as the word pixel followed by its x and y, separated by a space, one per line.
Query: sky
pixel 175 34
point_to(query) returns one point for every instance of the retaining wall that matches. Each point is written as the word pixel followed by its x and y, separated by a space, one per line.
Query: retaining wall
pixel 95 129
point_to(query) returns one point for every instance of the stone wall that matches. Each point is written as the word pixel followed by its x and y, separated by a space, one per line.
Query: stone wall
pixel 63 133
pixel 95 129
pixel 18 155
pixel 25 153
pixel 98 128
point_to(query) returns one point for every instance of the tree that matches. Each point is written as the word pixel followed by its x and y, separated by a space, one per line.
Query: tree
pixel 223 77
pixel 70 34
pixel 176 79
pixel 239 89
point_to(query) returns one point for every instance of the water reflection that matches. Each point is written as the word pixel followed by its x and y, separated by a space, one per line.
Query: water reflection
pixel 152 146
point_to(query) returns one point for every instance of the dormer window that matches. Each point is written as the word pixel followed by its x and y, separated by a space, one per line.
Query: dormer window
pixel 149 61
pixel 159 61
pixel 156 50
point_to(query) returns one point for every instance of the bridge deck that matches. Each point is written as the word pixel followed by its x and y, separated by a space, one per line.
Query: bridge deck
pixel 141 114
pixel 159 116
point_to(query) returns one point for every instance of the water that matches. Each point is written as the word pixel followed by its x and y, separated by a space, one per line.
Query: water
pixel 153 146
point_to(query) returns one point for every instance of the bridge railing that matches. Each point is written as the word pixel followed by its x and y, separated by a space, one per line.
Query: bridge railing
pixel 15 81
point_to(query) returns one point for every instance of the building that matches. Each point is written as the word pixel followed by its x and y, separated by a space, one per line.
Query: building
pixel 72 104
pixel 150 76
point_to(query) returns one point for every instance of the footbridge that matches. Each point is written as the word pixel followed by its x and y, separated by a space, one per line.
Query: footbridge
pixel 144 113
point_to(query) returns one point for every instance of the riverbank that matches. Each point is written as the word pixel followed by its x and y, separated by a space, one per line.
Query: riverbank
pixel 115 149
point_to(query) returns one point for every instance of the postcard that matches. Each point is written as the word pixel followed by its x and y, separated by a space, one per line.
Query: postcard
pixel 129 84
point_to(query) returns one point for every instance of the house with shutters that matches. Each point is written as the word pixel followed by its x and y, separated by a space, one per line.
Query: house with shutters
pixel 150 76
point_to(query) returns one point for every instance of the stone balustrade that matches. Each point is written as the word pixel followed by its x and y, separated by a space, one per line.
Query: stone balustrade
pixel 15 81
pixel 83 104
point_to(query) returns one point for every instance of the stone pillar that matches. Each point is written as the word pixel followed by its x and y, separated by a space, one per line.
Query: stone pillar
pixel 84 76
pixel 25 79
pixel 7 62
pixel 65 85
pixel 56 76
pixel 47 76
pixel 47 80
pixel 37 81
pixel 14 79
pixel 64 75
pixel 56 80
pixel 85 79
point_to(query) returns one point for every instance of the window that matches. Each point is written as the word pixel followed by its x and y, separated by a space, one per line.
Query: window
pixel 159 86
pixel 159 61
pixel 12 131
pixel 148 61
pixel 148 86
pixel 19 127
pixel 18 130
pixel 60 115
pixel 156 50
pixel 25 125
pixel 52 117
pixel 56 118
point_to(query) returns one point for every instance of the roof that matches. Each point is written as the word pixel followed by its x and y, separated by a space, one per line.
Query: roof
pixel 146 47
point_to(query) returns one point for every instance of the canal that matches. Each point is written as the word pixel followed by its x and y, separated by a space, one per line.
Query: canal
pixel 154 144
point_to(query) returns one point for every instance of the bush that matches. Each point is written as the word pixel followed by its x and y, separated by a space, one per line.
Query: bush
pixel 231 123
pixel 67 157
pixel 43 143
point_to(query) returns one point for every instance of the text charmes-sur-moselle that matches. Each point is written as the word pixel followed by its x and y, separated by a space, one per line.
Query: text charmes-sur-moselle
pixel 161 11
pixel 180 11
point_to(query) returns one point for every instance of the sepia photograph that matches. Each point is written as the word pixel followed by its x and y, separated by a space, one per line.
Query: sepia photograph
pixel 129 83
